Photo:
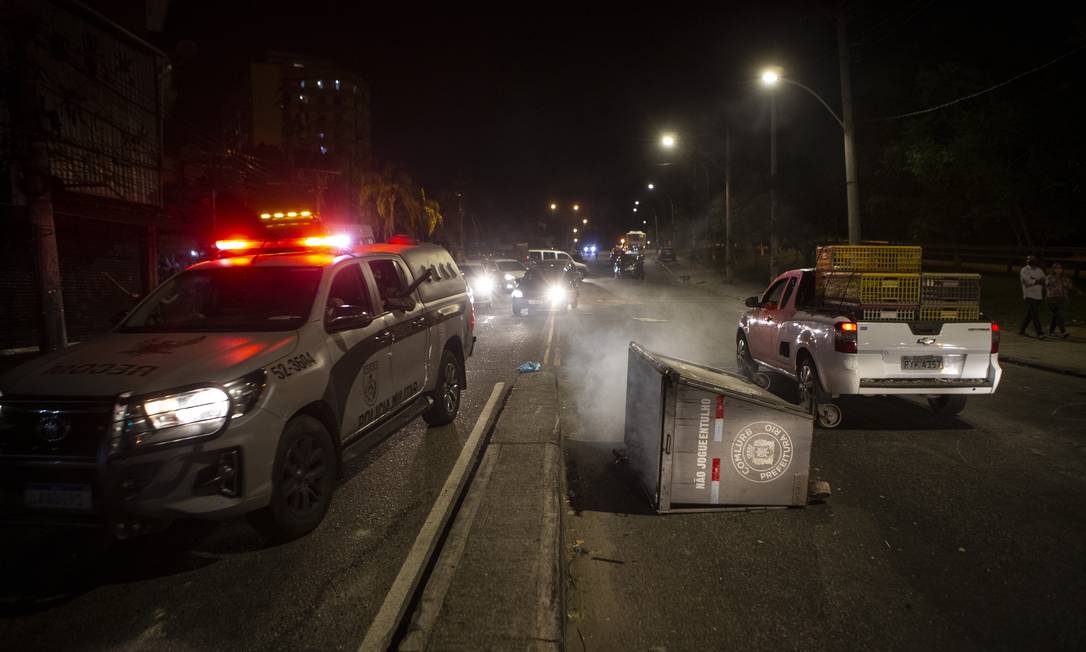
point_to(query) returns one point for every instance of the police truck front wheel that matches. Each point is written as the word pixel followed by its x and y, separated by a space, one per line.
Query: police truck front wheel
pixel 304 476
pixel 446 393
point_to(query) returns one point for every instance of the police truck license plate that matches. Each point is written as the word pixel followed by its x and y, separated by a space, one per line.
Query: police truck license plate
pixel 922 362
pixel 58 496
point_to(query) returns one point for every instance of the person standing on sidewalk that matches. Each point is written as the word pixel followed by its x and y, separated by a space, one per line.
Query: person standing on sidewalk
pixel 1058 289
pixel 1032 278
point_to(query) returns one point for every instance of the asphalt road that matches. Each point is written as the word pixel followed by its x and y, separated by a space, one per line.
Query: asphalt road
pixel 955 533
pixel 215 586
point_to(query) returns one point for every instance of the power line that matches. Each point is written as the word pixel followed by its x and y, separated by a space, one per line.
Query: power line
pixel 986 90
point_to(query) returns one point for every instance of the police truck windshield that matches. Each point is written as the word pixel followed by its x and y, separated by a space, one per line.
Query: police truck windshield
pixel 227 300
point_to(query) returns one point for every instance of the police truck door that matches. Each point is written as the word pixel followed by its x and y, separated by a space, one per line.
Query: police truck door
pixel 411 332
pixel 361 377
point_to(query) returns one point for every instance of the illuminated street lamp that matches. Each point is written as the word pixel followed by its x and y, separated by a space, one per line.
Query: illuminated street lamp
pixel 576 207
pixel 554 207
pixel 771 77
pixel 652 187
pixel 574 229
pixel 637 202
pixel 584 221
pixel 667 141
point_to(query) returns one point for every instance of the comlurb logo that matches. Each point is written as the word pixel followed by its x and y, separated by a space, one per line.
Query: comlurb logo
pixel 761 451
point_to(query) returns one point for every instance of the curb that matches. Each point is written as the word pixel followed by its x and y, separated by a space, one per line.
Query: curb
pixel 1078 373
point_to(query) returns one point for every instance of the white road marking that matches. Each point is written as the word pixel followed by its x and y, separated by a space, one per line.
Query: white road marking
pixel 651 320
pixel 380 632
pixel 550 336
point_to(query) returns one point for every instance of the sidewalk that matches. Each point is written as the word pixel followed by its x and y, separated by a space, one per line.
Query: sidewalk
pixel 1051 354
pixel 711 280
pixel 497 583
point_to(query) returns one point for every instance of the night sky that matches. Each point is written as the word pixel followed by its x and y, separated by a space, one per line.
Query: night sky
pixel 555 104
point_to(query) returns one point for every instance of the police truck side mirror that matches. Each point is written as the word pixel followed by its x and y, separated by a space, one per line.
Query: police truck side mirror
pixel 752 302
pixel 345 318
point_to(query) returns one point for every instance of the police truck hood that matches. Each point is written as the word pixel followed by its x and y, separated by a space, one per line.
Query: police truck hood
pixel 147 362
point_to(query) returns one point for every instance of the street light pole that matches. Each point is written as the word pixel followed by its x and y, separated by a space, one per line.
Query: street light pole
pixel 851 185
pixel 728 268
pixel 772 185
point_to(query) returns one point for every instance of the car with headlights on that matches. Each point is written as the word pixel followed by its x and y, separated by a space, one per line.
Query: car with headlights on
pixel 547 286
pixel 480 281
pixel 629 265
pixel 508 272
pixel 237 387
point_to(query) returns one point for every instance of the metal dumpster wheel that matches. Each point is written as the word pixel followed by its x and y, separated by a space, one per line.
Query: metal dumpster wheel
pixel 947 404
pixel 743 358
pixel 812 398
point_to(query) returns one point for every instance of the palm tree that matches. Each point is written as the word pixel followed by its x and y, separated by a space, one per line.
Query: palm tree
pixel 392 192
pixel 430 214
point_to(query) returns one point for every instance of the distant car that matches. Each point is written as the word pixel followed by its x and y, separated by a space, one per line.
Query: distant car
pixel 666 255
pixel 546 256
pixel 629 265
pixel 548 285
pixel 480 282
pixel 507 272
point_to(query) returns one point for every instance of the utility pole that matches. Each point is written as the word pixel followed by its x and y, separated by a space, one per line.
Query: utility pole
pixel 772 186
pixel 728 266
pixel 852 187
pixel 36 180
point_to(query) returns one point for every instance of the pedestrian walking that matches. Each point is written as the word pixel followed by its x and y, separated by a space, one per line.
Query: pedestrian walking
pixel 1032 278
pixel 1058 289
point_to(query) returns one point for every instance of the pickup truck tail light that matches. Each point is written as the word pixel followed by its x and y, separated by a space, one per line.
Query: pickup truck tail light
pixel 995 337
pixel 471 316
pixel 845 336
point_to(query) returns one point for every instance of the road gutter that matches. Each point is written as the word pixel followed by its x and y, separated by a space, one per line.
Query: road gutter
pixel 384 625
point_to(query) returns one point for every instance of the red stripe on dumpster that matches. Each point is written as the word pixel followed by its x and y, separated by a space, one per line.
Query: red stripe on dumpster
pixel 716 469
pixel 720 407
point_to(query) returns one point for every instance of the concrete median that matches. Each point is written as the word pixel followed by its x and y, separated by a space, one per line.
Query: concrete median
pixel 497 581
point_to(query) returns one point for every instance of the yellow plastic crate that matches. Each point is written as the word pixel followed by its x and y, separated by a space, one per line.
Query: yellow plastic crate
pixel 868 258
pixel 943 289
pixel 949 313
pixel 872 288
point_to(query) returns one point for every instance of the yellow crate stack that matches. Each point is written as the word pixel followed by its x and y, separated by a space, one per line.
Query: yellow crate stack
pixel 868 258
pixel 881 282
pixel 950 297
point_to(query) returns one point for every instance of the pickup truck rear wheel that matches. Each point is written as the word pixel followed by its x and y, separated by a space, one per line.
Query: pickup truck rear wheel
pixel 947 404
pixel 812 397
pixel 446 393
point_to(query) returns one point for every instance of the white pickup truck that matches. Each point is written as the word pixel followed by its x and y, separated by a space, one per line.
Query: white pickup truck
pixel 831 353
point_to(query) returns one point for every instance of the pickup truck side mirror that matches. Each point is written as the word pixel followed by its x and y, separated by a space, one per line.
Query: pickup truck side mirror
pixel 751 302
pixel 345 318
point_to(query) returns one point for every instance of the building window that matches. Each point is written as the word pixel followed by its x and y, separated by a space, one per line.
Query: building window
pixel 320 83
pixel 301 84
pixel 337 84
pixel 324 150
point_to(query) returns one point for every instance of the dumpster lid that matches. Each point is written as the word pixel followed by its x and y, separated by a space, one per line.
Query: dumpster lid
pixel 717 380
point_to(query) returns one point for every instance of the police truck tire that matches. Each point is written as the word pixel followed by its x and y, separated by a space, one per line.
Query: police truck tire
pixel 304 476
pixel 446 392
pixel 947 404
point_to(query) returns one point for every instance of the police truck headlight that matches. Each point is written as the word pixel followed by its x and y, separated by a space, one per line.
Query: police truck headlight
pixel 556 294
pixel 170 418
pixel 245 391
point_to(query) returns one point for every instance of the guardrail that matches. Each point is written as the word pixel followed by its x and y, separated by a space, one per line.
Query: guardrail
pixel 1072 258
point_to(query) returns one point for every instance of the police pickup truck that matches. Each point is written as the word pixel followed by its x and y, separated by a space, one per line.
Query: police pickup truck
pixel 237 387
pixel 830 352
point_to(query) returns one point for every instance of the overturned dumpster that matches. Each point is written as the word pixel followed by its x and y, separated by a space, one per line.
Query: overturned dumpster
pixel 700 438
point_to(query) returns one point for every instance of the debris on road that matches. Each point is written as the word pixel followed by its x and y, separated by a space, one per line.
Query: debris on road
pixel 529 367
pixel 819 490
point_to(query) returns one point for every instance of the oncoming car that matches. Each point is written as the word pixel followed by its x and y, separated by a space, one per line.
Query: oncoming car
pixel 237 387
pixel 548 286
pixel 509 271
pixel 480 281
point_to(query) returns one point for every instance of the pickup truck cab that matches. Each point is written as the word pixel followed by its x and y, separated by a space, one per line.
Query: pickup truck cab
pixel 830 353
pixel 237 387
